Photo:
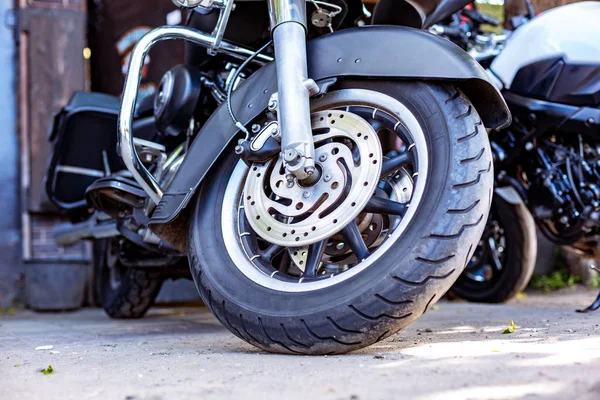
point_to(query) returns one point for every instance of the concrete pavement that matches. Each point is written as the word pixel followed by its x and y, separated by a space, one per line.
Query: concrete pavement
pixel 455 351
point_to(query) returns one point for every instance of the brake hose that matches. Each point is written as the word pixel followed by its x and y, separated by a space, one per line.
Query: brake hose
pixel 230 89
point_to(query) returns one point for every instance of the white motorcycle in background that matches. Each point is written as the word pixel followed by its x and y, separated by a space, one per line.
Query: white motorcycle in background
pixel 547 162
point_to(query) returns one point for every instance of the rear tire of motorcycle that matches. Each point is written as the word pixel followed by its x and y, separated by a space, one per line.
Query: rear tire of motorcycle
pixel 135 294
pixel 405 281
pixel 520 256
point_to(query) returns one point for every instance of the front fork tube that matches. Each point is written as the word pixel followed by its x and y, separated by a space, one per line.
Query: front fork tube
pixel 288 27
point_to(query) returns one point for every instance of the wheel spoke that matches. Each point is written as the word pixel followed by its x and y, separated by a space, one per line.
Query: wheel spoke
pixel 353 238
pixel 315 253
pixel 494 253
pixel 378 205
pixel 270 252
pixel 395 163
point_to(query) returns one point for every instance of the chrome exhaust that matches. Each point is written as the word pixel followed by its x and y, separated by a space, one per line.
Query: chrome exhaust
pixel 68 234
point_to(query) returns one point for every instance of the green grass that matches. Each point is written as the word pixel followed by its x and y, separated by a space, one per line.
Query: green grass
pixel 558 279
pixel 496 11
pixel 595 282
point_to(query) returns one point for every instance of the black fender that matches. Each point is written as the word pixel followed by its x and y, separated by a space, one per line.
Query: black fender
pixel 385 52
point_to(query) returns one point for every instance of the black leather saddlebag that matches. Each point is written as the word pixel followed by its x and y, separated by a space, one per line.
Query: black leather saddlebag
pixel 84 140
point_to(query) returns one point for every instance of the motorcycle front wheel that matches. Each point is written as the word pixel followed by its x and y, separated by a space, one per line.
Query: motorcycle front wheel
pixel 403 193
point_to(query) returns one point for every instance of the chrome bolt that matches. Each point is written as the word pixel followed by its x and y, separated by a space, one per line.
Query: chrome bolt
pixel 528 146
pixel 323 157
pixel 255 128
pixel 290 180
pixel 306 194
pixel 274 131
pixel 309 170
pixel 327 178
pixel 148 157
pixel 272 105
pixel 564 219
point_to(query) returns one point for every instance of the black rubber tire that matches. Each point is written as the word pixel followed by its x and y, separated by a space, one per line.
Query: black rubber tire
pixel 133 297
pixel 519 261
pixel 406 280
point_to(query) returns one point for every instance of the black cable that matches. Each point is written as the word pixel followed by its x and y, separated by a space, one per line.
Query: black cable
pixel 572 182
pixel 235 77
pixel 563 149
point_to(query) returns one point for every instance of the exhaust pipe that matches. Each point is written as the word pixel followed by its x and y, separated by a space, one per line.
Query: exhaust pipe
pixel 68 234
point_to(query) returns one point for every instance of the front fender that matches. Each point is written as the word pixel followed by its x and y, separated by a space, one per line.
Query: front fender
pixel 386 52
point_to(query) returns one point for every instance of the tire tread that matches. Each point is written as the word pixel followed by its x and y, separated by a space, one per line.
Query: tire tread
pixel 399 300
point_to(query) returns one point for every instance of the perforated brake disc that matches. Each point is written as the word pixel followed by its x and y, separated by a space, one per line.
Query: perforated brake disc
pixel 348 157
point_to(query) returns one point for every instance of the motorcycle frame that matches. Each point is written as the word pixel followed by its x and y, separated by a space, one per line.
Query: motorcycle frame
pixel 347 53
pixel 288 28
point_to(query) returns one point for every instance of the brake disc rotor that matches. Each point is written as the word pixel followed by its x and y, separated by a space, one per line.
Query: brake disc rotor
pixel 348 158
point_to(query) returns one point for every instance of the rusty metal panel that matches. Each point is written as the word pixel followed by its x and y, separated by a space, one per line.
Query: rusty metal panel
pixel 51 67
pixel 55 68
pixel 77 5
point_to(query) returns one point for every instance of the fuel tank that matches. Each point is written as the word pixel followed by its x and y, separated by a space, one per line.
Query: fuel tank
pixel 567 36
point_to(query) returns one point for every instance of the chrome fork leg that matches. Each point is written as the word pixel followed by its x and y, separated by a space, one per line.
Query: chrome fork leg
pixel 288 27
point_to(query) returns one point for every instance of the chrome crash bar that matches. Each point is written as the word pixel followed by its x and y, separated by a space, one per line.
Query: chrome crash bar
pixel 126 146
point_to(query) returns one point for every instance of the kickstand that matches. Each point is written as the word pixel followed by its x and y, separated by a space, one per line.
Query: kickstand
pixel 596 304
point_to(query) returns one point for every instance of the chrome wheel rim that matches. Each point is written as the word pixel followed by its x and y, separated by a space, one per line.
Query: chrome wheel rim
pixel 487 264
pixel 385 114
